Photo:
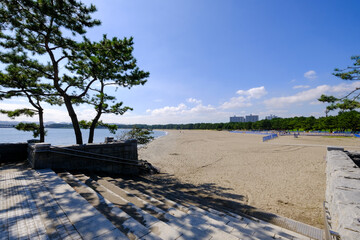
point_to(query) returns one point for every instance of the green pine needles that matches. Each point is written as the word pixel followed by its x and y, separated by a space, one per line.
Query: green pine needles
pixel 48 59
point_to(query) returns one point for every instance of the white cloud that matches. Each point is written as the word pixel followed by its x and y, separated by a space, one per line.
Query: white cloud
pixel 277 112
pixel 255 93
pixel 83 113
pixel 202 109
pixel 193 100
pixel 168 110
pixel 316 102
pixel 181 113
pixel 13 106
pixel 310 95
pixel 57 114
pixel 181 109
pixel 310 75
pixel 244 100
pixel 194 110
pixel 185 114
pixel 300 86
pixel 236 102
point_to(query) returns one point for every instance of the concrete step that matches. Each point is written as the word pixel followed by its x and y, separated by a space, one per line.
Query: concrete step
pixel 202 229
pixel 45 205
pixel 286 225
pixel 156 226
pixel 56 221
pixel 239 227
pixel 187 218
pixel 87 221
pixel 231 223
pixel 124 222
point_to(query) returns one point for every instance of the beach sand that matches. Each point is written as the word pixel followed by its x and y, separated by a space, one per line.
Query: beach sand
pixel 285 176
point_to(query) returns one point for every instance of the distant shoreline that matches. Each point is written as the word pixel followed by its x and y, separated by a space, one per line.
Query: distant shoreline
pixel 61 136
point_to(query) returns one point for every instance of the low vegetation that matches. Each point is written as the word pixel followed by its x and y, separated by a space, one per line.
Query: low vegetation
pixel 143 136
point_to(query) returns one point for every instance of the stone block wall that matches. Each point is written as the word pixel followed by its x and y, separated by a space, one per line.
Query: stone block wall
pixel 343 193
pixel 126 149
pixel 43 155
pixel 13 152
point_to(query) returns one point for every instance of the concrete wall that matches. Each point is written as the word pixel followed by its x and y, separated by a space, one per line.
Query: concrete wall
pixel 43 155
pixel 343 194
pixel 13 152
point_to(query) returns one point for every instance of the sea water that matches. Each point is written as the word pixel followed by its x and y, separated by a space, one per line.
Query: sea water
pixel 63 136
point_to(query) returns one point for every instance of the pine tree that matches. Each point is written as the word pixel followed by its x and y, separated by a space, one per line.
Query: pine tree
pixel 18 81
pixel 351 100
pixel 50 37
pixel 111 62
pixel 36 29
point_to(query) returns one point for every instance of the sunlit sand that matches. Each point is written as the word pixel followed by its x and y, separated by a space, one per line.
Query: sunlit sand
pixel 285 176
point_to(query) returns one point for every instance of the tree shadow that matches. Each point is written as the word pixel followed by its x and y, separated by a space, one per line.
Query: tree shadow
pixel 226 213
pixel 17 207
pixel 28 209
pixel 36 197
pixel 208 195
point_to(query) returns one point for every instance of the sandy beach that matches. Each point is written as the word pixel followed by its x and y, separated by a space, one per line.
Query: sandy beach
pixel 285 176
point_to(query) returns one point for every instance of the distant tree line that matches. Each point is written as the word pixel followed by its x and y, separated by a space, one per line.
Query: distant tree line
pixel 344 121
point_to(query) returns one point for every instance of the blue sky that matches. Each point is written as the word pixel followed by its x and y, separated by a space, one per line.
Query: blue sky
pixel 211 59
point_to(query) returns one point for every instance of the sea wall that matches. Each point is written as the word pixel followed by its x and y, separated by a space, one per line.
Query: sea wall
pixel 343 193
pixel 114 157
pixel 13 152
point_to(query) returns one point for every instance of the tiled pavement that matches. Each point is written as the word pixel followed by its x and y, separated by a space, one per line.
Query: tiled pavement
pixel 19 215
pixel 41 205
pixel 30 210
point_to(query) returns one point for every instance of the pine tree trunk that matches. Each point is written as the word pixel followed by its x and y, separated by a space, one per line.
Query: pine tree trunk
pixel 41 125
pixel 67 99
pixel 98 115
pixel 92 132
pixel 92 128
pixel 74 120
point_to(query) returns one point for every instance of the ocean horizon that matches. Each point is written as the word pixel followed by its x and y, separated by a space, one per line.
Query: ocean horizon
pixel 63 136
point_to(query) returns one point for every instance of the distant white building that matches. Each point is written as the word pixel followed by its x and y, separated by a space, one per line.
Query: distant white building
pixel 249 118
pixel 271 116
pixel 252 118
pixel 237 119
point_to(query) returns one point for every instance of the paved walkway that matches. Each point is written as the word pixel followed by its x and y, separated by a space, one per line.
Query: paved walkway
pixel 48 209
pixel 19 216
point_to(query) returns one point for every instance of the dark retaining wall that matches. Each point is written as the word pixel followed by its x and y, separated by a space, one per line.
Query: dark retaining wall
pixel 42 155
pixel 13 152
